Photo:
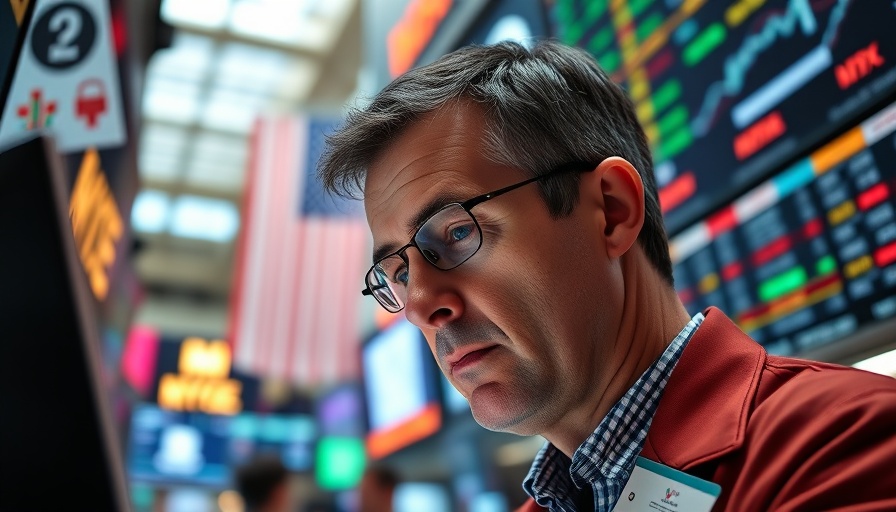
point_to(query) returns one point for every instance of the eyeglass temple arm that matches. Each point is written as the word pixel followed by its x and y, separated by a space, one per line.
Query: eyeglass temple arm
pixel 570 167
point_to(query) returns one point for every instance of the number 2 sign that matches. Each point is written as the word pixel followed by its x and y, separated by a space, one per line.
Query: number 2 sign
pixel 63 35
pixel 68 60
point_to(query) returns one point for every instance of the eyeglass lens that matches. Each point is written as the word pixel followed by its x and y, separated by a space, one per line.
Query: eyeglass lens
pixel 447 239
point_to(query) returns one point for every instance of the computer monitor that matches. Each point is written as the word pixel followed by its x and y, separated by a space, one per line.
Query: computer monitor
pixel 414 496
pixel 400 389
pixel 179 448
pixel 59 446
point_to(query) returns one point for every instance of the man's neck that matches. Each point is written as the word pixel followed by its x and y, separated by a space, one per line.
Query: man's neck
pixel 652 315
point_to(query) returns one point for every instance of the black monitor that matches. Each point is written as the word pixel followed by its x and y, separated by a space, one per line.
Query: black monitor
pixel 58 445
pixel 13 16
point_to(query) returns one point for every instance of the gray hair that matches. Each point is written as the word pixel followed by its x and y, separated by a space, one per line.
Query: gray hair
pixel 544 107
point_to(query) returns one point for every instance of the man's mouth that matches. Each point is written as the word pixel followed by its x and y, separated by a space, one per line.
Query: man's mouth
pixel 465 358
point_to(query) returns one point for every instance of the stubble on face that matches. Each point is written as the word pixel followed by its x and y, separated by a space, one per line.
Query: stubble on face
pixel 504 391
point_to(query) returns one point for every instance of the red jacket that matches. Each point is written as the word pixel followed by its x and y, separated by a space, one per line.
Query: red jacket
pixel 776 433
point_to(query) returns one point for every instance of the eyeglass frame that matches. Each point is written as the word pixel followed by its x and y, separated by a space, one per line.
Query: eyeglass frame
pixel 467 206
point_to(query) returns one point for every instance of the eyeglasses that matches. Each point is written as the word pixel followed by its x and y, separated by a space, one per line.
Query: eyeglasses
pixel 446 240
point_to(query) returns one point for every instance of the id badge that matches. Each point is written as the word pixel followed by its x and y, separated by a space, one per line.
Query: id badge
pixel 654 487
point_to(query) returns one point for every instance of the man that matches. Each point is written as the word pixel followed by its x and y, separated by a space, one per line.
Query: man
pixel 376 491
pixel 514 213
pixel 263 483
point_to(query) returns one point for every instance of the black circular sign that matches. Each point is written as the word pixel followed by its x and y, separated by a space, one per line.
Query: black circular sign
pixel 63 36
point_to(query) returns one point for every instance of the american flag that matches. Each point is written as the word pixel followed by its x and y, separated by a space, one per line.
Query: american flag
pixel 300 261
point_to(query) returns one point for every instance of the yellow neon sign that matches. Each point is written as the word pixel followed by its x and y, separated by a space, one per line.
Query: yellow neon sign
pixel 204 359
pixel 96 223
pixel 202 384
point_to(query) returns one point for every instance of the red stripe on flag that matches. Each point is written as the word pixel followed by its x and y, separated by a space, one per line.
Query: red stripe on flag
pixel 319 301
pixel 235 318
pixel 297 311
pixel 285 280
pixel 275 226
pixel 247 336
pixel 291 373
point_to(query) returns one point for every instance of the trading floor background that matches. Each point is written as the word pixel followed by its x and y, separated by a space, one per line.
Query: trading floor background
pixel 180 295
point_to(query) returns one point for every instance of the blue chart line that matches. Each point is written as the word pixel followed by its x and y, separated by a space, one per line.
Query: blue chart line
pixel 781 87
pixel 798 14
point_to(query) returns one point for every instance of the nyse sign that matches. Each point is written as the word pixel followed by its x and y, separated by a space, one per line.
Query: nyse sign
pixel 202 382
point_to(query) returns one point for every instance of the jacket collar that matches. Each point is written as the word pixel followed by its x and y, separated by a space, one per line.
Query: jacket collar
pixel 704 409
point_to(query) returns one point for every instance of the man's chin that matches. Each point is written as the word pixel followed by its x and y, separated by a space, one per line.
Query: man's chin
pixel 495 409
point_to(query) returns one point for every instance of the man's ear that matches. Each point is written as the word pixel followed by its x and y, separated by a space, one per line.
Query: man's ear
pixel 616 188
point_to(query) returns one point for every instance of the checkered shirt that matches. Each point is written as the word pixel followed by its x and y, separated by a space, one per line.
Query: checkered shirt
pixel 606 459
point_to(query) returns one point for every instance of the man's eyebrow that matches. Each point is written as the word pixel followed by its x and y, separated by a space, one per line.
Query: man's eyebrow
pixel 435 204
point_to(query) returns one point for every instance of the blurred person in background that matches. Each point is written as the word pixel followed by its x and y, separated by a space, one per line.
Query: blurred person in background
pixel 376 491
pixel 320 505
pixel 511 197
pixel 263 483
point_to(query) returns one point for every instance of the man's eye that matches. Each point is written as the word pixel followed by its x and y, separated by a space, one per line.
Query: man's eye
pixel 401 276
pixel 460 232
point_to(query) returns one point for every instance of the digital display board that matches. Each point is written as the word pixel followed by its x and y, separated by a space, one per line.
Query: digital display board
pixel 291 436
pixel 730 91
pixel 179 447
pixel 519 20
pixel 400 390
pixel 168 447
pixel 809 256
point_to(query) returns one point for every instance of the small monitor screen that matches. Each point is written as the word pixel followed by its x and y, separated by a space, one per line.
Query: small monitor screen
pixel 180 447
pixel 419 496
pixel 340 411
pixel 489 502
pixel 400 389
pixel 516 20
pixel 292 436
pixel 395 376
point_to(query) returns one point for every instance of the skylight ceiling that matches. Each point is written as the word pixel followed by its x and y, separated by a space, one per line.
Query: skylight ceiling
pixel 229 62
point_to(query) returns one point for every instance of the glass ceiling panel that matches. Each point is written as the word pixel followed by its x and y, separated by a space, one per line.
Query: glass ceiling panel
pixel 200 13
pixel 204 218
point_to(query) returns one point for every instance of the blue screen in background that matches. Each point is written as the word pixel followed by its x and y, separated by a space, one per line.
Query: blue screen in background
pixel 168 446
pixel 202 449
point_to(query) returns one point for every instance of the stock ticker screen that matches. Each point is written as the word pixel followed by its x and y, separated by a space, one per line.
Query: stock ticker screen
pixel 773 130
pixel 728 91
pixel 809 256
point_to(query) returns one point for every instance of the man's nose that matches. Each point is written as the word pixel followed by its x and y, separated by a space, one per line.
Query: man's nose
pixel 433 297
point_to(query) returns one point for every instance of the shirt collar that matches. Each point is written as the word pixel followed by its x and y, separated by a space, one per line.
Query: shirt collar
pixel 605 460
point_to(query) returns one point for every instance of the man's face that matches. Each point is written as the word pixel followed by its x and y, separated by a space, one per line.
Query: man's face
pixel 522 329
